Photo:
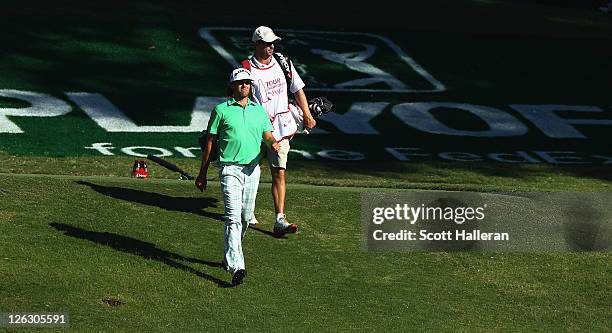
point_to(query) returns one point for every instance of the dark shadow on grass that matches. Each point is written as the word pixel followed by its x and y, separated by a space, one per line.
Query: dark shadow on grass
pixel 180 204
pixel 402 172
pixel 266 232
pixel 585 228
pixel 140 248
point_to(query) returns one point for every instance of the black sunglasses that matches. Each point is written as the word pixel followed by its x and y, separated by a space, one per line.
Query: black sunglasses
pixel 264 43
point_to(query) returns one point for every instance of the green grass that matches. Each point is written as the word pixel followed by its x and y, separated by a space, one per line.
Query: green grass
pixel 69 243
pixel 427 175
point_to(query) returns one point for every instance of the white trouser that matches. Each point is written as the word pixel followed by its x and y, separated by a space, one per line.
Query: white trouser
pixel 239 185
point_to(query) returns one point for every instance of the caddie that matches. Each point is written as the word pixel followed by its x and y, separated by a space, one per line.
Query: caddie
pixel 237 126
pixel 275 76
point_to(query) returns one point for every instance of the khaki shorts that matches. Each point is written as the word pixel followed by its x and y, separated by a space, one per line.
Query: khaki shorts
pixel 279 160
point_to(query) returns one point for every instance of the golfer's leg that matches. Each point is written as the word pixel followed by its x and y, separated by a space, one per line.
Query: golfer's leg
pixel 231 190
pixel 251 185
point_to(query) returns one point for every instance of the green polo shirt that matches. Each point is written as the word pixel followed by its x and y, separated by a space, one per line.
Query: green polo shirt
pixel 239 130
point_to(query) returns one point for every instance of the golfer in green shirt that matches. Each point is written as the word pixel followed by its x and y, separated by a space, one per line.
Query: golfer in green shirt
pixel 237 126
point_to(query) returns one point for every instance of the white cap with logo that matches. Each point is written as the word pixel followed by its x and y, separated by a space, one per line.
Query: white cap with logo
pixel 240 74
pixel 264 33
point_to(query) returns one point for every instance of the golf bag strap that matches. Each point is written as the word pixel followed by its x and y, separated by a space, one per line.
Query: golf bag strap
pixel 246 64
pixel 285 64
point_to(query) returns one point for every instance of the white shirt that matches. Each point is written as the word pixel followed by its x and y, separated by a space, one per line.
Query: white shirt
pixel 270 90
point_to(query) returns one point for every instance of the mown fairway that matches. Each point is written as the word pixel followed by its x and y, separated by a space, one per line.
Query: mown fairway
pixel 124 254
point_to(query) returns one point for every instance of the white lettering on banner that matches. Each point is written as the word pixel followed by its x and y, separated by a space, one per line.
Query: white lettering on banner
pixel 41 105
pixel 404 154
pixel 356 62
pixel 606 159
pixel 552 157
pixel 356 120
pixel 132 151
pixel 353 61
pixel 400 153
pixel 341 155
pixel 516 157
pixel 304 153
pixel 102 147
pixel 546 119
pixel 561 157
pixel 418 115
pixel 187 151
pixel 107 116
pixel 460 156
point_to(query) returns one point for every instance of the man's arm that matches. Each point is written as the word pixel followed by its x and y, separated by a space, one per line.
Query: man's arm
pixel 201 180
pixel 300 99
pixel 271 141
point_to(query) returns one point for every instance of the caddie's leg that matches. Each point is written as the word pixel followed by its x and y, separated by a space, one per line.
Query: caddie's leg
pixel 251 185
pixel 232 183
pixel 279 189
pixel 278 165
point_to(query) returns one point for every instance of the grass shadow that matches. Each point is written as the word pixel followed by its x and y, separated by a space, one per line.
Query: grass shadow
pixel 266 232
pixel 140 248
pixel 441 171
pixel 585 228
pixel 181 204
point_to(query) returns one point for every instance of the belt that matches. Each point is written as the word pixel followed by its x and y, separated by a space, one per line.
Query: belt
pixel 236 164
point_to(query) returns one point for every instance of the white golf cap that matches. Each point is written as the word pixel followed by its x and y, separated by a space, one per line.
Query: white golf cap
pixel 264 33
pixel 240 74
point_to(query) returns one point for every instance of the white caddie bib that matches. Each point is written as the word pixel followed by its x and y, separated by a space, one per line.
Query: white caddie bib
pixel 270 90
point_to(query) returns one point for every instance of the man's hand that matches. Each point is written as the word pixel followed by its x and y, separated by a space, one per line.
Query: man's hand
pixel 309 122
pixel 200 182
pixel 302 102
pixel 270 141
